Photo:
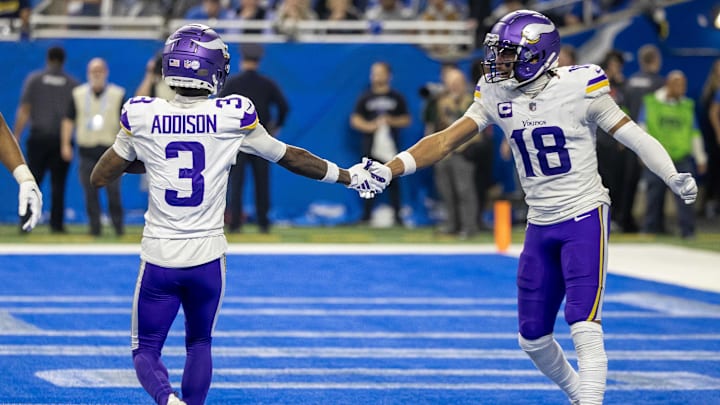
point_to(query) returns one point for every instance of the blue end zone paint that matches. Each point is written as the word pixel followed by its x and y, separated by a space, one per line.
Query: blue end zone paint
pixel 371 326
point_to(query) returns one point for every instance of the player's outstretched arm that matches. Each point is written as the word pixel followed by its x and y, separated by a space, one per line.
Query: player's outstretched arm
pixel 10 154
pixel 655 158
pixel 304 163
pixel 29 196
pixel 432 148
pixel 110 167
pixel 613 120
pixel 258 142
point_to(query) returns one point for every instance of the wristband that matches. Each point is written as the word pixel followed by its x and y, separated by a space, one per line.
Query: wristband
pixel 22 174
pixel 332 173
pixel 409 164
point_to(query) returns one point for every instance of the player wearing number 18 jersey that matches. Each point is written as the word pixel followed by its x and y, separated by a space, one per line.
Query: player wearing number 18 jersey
pixel 549 116
pixel 552 135
pixel 187 146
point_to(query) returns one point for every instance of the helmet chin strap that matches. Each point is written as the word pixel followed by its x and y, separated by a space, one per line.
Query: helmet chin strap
pixel 215 90
pixel 532 88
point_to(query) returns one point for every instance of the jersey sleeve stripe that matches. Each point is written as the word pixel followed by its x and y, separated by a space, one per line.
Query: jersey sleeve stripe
pixel 597 86
pixel 477 93
pixel 597 79
pixel 251 126
pixel 125 123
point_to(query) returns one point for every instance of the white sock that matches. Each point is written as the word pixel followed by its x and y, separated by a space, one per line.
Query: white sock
pixel 549 358
pixel 592 361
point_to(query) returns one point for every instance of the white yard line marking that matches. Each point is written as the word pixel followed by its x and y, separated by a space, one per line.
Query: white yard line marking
pixel 658 302
pixel 624 380
pixel 313 334
pixel 443 301
pixel 319 312
pixel 676 265
pixel 265 249
pixel 344 352
pixel 666 304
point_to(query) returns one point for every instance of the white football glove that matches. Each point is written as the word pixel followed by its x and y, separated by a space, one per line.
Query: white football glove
pixel 364 182
pixel 29 197
pixel 380 173
pixel 683 184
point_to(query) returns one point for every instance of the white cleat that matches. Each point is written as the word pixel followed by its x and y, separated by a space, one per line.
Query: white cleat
pixel 174 400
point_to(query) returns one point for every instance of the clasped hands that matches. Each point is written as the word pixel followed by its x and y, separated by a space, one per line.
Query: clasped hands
pixel 369 178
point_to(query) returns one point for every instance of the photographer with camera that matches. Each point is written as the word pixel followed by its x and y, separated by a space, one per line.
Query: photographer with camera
pixel 454 175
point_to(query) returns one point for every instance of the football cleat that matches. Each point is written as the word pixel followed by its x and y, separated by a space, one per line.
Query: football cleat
pixel 174 400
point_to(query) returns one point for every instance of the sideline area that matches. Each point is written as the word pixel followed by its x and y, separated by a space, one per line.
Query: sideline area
pixel 674 265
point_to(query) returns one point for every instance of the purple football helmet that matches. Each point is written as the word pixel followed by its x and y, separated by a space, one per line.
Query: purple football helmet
pixel 522 45
pixel 195 57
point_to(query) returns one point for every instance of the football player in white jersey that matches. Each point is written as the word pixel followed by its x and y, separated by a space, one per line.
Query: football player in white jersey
pixel 187 146
pixel 29 196
pixel 549 116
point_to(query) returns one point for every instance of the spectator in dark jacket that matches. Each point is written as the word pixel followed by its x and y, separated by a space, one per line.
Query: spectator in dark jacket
pixel 45 98
pixel 266 95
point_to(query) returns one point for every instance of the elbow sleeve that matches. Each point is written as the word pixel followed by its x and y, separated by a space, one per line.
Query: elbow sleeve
pixel 652 153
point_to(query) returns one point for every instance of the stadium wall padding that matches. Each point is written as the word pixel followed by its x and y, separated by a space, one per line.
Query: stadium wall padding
pixel 321 82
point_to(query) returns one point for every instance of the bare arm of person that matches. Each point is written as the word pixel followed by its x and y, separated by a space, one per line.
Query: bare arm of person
pixel 10 153
pixel 432 148
pixel 304 163
pixel 109 168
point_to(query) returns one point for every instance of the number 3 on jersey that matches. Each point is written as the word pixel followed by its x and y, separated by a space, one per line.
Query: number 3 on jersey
pixel 543 150
pixel 172 151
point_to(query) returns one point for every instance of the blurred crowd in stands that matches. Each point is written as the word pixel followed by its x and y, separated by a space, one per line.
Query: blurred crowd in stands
pixel 283 15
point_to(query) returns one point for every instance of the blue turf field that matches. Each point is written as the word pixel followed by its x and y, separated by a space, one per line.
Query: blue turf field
pixel 344 329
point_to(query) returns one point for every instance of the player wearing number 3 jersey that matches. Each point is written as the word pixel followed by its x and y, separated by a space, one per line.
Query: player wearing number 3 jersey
pixel 187 146
pixel 549 116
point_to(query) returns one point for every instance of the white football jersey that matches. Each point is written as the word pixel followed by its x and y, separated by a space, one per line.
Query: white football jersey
pixel 552 140
pixel 188 146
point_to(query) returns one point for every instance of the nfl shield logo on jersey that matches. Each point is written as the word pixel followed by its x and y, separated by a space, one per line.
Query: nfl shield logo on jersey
pixel 533 106
pixel 505 109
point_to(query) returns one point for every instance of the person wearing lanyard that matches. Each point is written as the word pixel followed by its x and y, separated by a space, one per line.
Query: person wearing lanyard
pixel 94 115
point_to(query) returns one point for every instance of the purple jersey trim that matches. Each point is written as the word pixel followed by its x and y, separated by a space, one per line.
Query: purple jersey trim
pixel 125 122
pixel 249 120
pixel 597 80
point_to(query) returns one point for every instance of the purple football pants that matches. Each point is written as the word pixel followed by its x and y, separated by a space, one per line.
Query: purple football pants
pixel 564 259
pixel 158 295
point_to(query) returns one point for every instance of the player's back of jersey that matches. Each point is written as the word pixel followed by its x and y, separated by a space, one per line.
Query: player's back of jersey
pixel 552 141
pixel 188 147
